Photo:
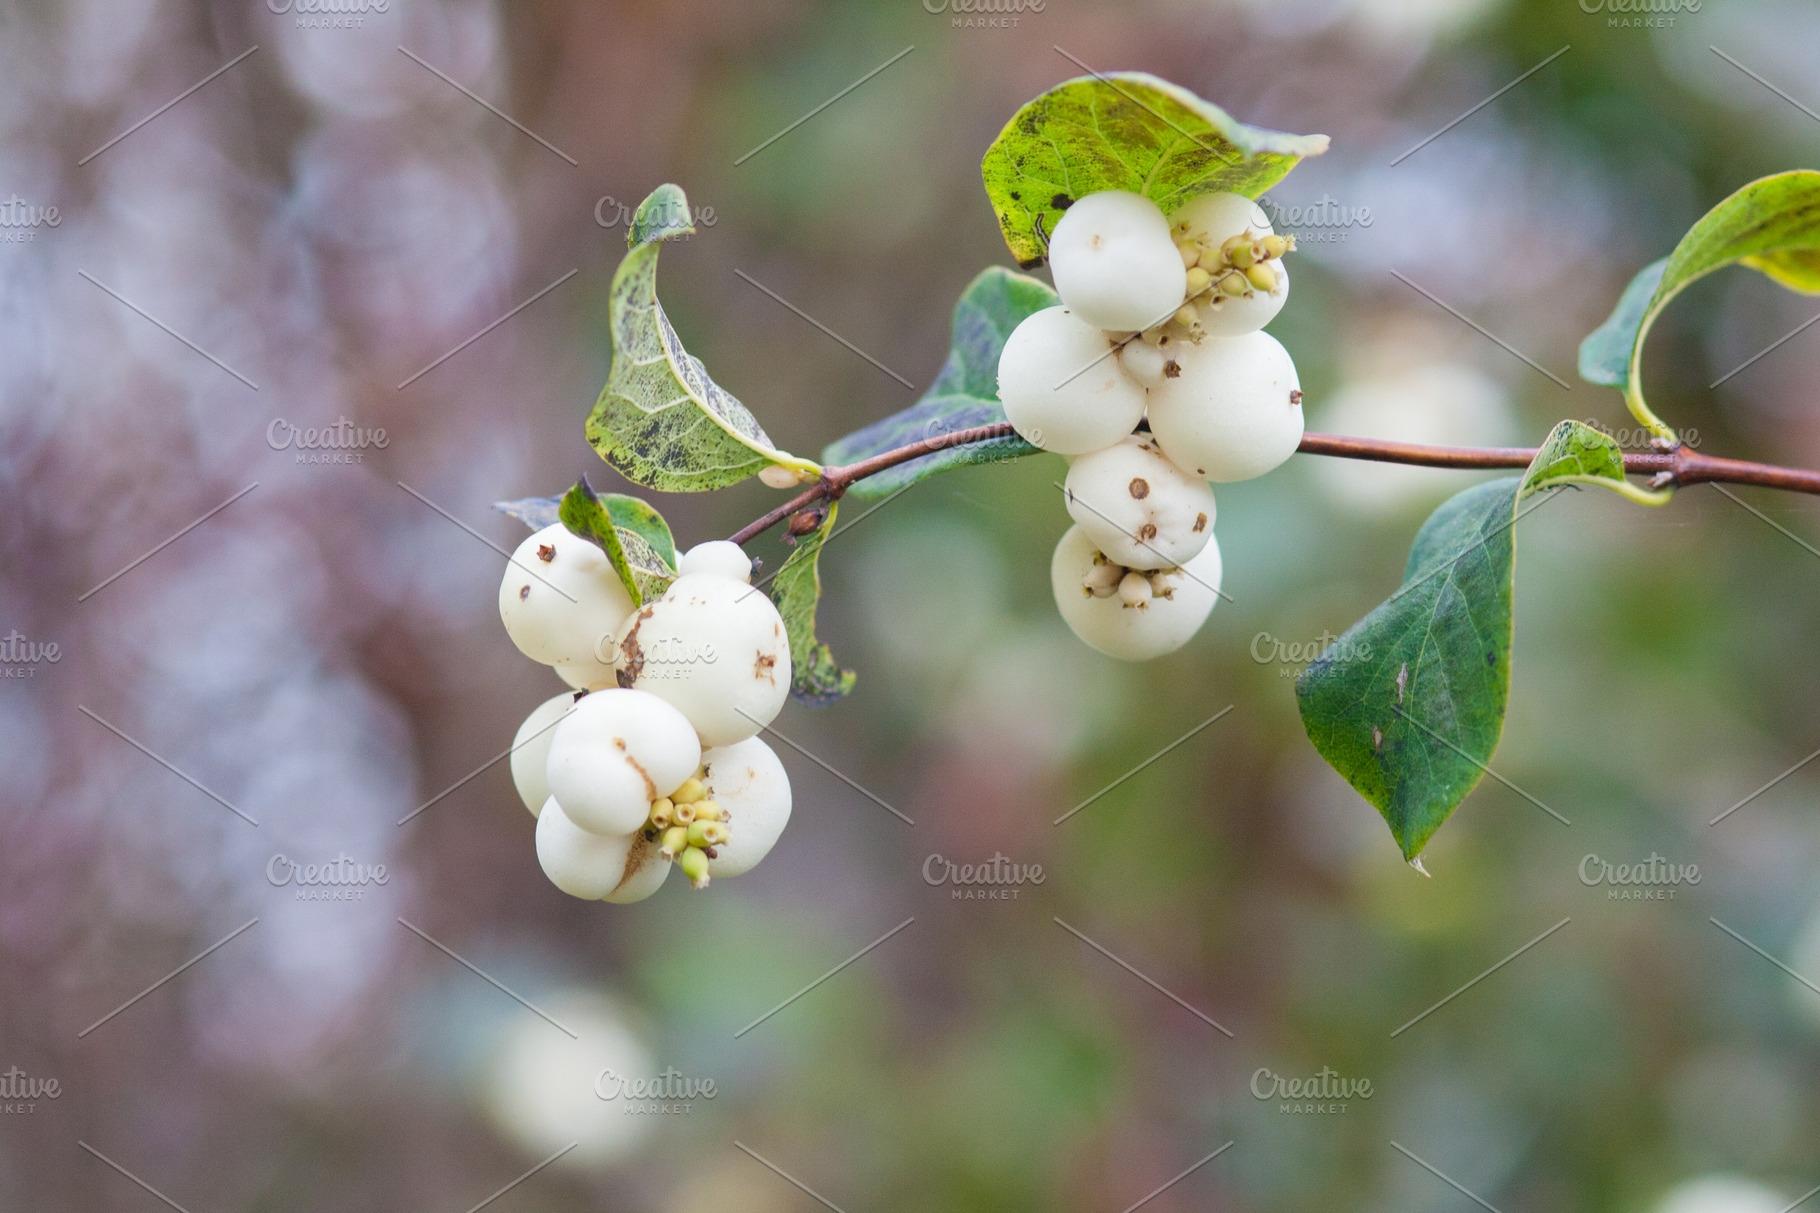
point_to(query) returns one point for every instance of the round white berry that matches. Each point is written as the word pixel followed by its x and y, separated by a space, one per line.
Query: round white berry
pixel 1227 315
pixel 1146 362
pixel 715 649
pixel 560 598
pixel 1234 412
pixel 748 783
pixel 1213 219
pixel 1114 262
pixel 610 867
pixel 1179 603
pixel 614 754
pixel 1063 388
pixel 531 750
pixel 717 557
pixel 590 675
pixel 1137 507
pixel 1233 301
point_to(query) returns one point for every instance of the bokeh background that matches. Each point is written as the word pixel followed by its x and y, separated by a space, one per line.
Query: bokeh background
pixel 328 217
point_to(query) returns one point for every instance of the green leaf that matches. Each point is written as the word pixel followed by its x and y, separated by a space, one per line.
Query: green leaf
pixel 964 394
pixel 660 420
pixel 1771 225
pixel 1124 131
pixel 631 532
pixel 815 677
pixel 1409 703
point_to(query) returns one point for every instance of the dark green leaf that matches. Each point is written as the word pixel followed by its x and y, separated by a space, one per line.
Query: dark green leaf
pixel 964 394
pixel 1408 705
pixel 1124 131
pixel 661 421
pixel 815 677
pixel 1771 225
pixel 632 534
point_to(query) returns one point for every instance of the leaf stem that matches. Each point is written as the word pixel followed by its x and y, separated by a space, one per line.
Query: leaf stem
pixel 1678 467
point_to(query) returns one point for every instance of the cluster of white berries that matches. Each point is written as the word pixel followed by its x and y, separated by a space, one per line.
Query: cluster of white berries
pixel 1161 322
pixel 655 758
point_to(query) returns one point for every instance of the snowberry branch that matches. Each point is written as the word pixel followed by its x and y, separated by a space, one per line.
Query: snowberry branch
pixel 1679 466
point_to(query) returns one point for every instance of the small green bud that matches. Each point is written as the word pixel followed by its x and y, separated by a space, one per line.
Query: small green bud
pixel 691 791
pixel 1198 281
pixel 674 840
pixel 694 863
pixel 1262 277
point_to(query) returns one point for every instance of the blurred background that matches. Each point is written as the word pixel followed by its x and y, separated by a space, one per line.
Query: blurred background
pixel 331 215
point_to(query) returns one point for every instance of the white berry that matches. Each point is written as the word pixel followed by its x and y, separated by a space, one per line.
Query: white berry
pixel 1137 507
pixel 615 753
pixel 715 649
pixel 561 601
pixel 1231 315
pixel 1114 262
pixel 717 557
pixel 1063 388
pixel 1234 412
pixel 610 867
pixel 1213 219
pixel 531 750
pixel 1147 362
pixel 1120 628
pixel 1224 315
pixel 1232 304
pixel 590 675
pixel 748 783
